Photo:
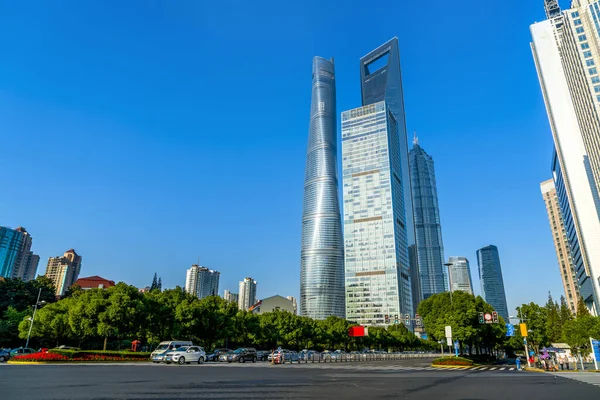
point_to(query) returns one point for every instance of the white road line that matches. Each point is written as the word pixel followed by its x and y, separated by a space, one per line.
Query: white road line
pixel 492 369
pixel 502 369
pixel 511 369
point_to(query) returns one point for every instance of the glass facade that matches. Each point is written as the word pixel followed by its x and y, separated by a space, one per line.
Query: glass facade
pixel 428 230
pixel 490 277
pixel 381 80
pixel 16 259
pixel 378 286
pixel 322 254
pixel 460 274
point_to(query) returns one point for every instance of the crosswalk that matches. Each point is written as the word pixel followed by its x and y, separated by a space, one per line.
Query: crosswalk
pixel 383 368
pixel 585 377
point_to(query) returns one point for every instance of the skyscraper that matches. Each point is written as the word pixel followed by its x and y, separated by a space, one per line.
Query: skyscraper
pixel 381 79
pixel 490 277
pixel 460 274
pixel 16 258
pixel 377 266
pixel 322 257
pixel 247 294
pixel 561 244
pixel 428 229
pixel 566 52
pixel 202 282
pixel 231 297
pixel 64 271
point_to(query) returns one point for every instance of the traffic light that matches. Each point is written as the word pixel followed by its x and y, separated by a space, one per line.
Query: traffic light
pixel 495 317
pixel 387 319
pixel 481 320
pixel 407 319
pixel 418 321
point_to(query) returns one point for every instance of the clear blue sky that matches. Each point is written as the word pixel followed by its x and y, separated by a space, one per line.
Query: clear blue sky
pixel 149 134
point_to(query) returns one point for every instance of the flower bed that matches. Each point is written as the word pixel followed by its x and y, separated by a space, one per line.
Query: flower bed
pixel 81 356
pixel 455 361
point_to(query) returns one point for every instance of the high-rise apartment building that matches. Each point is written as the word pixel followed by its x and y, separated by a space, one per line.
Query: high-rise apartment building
pixel 64 271
pixel 202 282
pixel 322 257
pixel 376 255
pixel 247 294
pixel 428 229
pixel 490 277
pixel 231 297
pixel 16 258
pixel 566 50
pixel 293 300
pixel 561 244
pixel 460 275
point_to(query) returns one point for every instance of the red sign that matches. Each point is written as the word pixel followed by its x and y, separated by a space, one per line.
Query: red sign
pixel 356 331
pixel 488 318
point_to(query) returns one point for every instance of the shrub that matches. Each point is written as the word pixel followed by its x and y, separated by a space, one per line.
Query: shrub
pixel 125 355
pixel 459 361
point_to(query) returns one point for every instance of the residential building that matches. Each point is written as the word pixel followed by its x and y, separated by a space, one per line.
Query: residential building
pixel 428 229
pixel 231 297
pixel 16 258
pixel 94 282
pixel 322 257
pixel 293 300
pixel 273 303
pixel 490 277
pixel 202 282
pixel 64 271
pixel 566 52
pixel 378 287
pixel 247 294
pixel 381 80
pixel 561 244
pixel 460 274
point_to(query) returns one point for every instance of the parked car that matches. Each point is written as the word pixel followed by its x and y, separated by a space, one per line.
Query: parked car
pixel 223 356
pixel 4 355
pixel 263 355
pixel 158 355
pixel 186 355
pixel 242 354
pixel 284 356
pixel 21 351
pixel 338 355
pixel 308 355
pixel 326 356
pixel 214 355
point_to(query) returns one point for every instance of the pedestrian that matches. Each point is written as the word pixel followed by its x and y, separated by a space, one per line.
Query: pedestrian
pixel 518 361
pixel 544 365
pixel 567 362
pixel 561 361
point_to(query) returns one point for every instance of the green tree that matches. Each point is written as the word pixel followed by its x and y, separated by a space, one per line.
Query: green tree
pixel 577 332
pixel 51 324
pixel 553 320
pixel 582 310
pixel 536 319
pixel 565 312
pixel 9 327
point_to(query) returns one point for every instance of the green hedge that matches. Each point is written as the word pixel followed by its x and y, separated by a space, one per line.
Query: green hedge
pixel 107 353
pixel 452 361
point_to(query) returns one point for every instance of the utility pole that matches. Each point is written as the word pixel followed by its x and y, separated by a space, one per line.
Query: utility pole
pixel 449 278
pixel 37 303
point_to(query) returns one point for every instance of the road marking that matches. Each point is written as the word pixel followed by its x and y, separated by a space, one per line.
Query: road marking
pixel 502 369
pixel 492 369
pixel 512 369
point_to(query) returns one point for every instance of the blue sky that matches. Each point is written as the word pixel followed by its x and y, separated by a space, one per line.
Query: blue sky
pixel 149 134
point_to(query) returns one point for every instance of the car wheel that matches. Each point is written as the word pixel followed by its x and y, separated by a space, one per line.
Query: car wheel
pixel 181 360
pixel 254 360
pixel 2 359
pixel 201 360
pixel 242 360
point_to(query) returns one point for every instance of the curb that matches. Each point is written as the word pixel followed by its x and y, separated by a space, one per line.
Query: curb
pixel 452 366
pixel 71 362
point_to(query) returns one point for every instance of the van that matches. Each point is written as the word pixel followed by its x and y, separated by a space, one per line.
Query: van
pixel 158 355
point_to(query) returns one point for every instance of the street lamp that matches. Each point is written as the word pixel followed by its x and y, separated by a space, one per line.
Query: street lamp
pixel 524 339
pixel 38 303
pixel 449 264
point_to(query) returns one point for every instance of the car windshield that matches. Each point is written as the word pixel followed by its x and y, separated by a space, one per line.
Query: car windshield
pixel 238 351
pixel 162 347
pixel 182 348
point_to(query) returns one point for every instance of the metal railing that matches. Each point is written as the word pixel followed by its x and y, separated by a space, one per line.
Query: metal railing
pixel 362 357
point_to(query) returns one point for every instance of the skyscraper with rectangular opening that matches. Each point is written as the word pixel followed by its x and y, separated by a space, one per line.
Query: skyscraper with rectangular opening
pixel 322 254
pixel 490 277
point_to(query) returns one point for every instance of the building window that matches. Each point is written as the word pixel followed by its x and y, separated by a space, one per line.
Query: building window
pixel 589 63
pixel 575 14
pixel 595 79
pixel 580 29
pixel 598 98
pixel 582 38
pixel 585 46
pixel 577 22
pixel 593 71
pixel 587 54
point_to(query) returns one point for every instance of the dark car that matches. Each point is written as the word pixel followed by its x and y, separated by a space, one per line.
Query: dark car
pixel 263 355
pixel 243 354
pixel 4 355
pixel 21 351
pixel 214 355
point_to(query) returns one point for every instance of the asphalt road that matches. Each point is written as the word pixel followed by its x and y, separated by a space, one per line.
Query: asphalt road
pixel 378 380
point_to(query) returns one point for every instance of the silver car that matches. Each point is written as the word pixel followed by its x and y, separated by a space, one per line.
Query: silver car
pixel 186 355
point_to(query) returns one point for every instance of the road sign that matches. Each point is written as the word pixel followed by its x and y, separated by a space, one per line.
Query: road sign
pixel 449 341
pixel 488 318
pixel 449 333
pixel 523 328
pixel 596 350
pixel 510 330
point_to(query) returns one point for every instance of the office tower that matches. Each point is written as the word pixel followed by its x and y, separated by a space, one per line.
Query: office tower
pixel 561 244
pixel 247 294
pixel 567 57
pixel 293 300
pixel 202 282
pixel 428 230
pixel 490 277
pixel 322 257
pixel 231 297
pixel 376 254
pixel 16 258
pixel 64 271
pixel 460 274
pixel 381 80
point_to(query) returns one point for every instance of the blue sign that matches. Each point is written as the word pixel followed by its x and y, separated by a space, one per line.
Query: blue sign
pixel 596 349
pixel 510 330
pixel 456 344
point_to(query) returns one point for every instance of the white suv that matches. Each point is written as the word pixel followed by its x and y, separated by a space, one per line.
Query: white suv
pixel 186 355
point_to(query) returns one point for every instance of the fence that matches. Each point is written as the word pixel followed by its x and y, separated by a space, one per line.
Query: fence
pixel 360 357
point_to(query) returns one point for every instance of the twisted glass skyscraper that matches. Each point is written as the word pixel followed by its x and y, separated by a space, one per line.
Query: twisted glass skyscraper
pixel 490 277
pixel 322 256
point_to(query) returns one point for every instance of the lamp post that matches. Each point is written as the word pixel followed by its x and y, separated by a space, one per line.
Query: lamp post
pixel 449 264
pixel 37 304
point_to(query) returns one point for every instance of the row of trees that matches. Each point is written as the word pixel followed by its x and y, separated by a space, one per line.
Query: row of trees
pixel 111 318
